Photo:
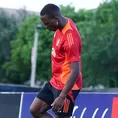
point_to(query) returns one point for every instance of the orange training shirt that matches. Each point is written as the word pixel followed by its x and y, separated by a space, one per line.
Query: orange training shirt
pixel 66 48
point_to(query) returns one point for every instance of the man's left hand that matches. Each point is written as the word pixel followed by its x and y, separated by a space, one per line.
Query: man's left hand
pixel 58 104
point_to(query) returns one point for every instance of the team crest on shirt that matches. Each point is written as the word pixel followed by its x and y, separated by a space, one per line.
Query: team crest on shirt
pixel 58 41
pixel 53 52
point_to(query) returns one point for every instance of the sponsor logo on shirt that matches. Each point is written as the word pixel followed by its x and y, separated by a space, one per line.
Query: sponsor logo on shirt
pixel 53 52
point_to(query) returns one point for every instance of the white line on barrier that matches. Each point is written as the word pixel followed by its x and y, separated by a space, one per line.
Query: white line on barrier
pixel 75 108
pixel 104 113
pixel 21 103
pixel 98 92
pixel 95 112
pixel 82 114
pixel 10 92
pixel 80 92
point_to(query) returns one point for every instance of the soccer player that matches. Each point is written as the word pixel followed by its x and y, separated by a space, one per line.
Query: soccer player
pixel 61 91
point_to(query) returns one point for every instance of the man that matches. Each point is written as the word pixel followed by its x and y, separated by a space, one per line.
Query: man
pixel 66 82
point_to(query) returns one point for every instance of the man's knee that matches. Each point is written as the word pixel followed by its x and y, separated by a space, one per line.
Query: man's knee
pixel 33 111
pixel 38 107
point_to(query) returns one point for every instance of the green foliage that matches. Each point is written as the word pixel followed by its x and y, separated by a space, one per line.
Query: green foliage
pixel 99 64
pixel 8 29
pixel 69 12
pixel 20 65
pixel 44 51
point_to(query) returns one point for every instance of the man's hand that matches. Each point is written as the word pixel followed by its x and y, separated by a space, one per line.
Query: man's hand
pixel 58 104
pixel 59 101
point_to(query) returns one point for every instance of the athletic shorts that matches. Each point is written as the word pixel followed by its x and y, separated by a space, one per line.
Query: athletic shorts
pixel 48 94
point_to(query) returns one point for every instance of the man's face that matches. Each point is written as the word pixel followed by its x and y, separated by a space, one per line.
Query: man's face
pixel 50 23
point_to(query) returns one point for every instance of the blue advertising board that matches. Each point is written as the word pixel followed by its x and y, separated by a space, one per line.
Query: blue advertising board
pixel 87 105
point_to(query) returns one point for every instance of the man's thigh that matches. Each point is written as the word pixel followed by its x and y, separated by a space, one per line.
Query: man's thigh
pixel 43 100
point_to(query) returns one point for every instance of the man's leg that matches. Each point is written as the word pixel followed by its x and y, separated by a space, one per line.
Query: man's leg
pixel 38 109
pixel 42 103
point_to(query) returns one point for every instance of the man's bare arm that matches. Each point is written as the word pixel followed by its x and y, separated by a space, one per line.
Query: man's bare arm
pixel 75 71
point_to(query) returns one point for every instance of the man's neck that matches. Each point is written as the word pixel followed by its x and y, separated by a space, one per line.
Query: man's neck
pixel 63 22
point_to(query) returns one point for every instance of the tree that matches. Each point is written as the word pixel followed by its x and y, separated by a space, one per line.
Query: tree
pixel 8 29
pixel 99 61
pixel 20 65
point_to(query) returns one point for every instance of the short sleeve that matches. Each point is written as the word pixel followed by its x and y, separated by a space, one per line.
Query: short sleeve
pixel 72 46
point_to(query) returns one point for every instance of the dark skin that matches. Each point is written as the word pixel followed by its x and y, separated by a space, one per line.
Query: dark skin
pixel 59 101
pixel 54 23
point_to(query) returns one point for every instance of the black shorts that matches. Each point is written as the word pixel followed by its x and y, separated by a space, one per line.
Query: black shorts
pixel 48 94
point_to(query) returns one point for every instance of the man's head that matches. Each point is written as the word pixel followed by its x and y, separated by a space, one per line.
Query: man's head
pixel 50 16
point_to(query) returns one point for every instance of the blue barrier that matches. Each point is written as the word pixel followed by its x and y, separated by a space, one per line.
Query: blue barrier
pixel 87 105
pixel 17 88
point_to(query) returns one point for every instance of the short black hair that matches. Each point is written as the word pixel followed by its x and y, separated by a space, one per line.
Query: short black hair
pixel 49 9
